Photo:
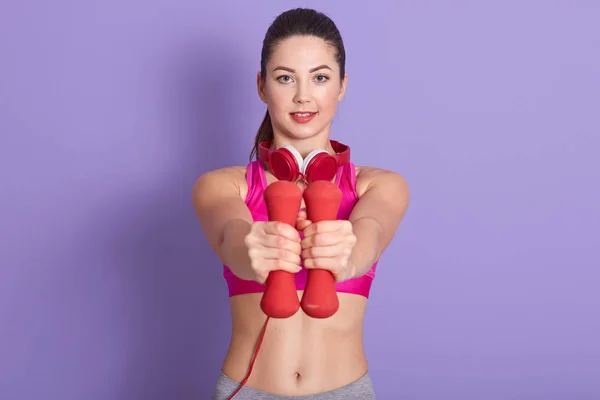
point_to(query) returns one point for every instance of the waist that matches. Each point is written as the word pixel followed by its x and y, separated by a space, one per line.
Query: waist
pixel 299 355
pixel 361 389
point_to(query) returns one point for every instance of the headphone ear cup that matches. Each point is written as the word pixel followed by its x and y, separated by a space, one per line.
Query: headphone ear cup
pixel 319 165
pixel 285 163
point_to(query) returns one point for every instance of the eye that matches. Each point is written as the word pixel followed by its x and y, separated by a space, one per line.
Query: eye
pixel 321 78
pixel 284 79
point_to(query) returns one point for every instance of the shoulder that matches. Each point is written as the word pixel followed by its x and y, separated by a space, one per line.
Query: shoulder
pixel 234 174
pixel 383 180
pixel 219 181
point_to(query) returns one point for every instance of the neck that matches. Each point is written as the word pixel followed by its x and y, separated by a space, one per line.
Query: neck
pixel 304 146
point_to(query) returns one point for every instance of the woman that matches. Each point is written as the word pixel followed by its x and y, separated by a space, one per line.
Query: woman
pixel 302 80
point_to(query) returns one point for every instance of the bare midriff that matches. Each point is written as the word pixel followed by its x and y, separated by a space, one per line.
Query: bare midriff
pixel 299 355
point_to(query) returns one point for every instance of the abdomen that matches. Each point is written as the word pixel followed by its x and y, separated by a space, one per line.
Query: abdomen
pixel 299 355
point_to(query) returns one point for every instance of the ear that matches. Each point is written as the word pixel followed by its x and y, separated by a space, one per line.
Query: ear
pixel 343 87
pixel 260 87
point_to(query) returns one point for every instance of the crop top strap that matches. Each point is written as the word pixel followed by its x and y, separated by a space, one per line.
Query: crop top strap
pixel 256 181
pixel 348 181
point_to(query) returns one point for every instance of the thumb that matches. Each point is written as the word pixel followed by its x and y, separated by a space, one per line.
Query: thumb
pixel 302 223
pixel 302 214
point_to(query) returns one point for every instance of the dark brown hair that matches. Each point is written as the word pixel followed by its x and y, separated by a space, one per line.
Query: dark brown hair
pixel 296 22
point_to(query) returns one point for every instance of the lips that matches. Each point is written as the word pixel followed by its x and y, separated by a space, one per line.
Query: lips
pixel 303 117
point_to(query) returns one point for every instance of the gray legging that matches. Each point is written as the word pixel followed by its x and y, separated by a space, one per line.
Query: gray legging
pixel 361 389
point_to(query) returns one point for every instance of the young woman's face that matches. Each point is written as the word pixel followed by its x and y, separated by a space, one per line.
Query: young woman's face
pixel 302 87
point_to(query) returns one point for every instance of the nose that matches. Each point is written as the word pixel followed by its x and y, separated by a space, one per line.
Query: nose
pixel 302 94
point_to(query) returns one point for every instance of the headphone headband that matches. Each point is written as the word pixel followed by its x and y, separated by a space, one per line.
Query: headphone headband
pixel 286 163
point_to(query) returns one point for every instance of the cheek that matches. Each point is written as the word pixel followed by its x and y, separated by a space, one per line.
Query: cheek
pixel 328 102
pixel 277 92
pixel 278 99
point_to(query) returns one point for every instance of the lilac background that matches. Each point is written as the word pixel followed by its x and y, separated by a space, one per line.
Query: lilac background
pixel 110 110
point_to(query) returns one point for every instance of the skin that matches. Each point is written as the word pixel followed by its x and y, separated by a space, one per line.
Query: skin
pixel 299 355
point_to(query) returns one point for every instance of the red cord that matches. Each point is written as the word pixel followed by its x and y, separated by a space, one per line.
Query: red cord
pixel 260 340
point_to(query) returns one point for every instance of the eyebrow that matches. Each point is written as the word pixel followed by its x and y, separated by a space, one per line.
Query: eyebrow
pixel 293 71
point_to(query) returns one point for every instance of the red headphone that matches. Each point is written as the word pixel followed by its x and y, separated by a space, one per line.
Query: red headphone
pixel 287 163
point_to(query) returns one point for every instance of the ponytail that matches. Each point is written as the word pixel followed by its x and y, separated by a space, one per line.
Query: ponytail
pixel 265 132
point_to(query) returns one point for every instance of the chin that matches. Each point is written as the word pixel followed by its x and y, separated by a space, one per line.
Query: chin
pixel 302 133
pixel 305 132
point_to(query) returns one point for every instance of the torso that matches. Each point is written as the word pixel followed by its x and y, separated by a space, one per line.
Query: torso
pixel 299 355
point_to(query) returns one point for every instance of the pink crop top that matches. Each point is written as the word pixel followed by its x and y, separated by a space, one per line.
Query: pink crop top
pixel 257 182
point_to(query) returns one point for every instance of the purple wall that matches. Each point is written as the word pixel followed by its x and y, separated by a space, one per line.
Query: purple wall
pixel 110 110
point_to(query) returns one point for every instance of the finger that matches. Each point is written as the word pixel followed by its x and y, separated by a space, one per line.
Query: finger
pixel 337 250
pixel 301 220
pixel 320 239
pixel 281 242
pixel 302 214
pixel 261 277
pixel 282 229
pixel 301 224
pixel 281 265
pixel 262 267
pixel 324 227
pixel 273 253
pixel 334 264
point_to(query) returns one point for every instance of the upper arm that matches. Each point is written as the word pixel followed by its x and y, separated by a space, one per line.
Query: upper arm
pixel 217 202
pixel 383 198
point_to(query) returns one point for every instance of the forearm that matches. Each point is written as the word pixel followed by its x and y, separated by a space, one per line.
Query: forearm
pixel 233 250
pixel 366 251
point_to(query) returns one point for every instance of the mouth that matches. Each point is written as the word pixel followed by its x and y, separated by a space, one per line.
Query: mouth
pixel 303 117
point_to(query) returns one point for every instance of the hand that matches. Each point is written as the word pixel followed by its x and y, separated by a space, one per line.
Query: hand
pixel 328 245
pixel 273 246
